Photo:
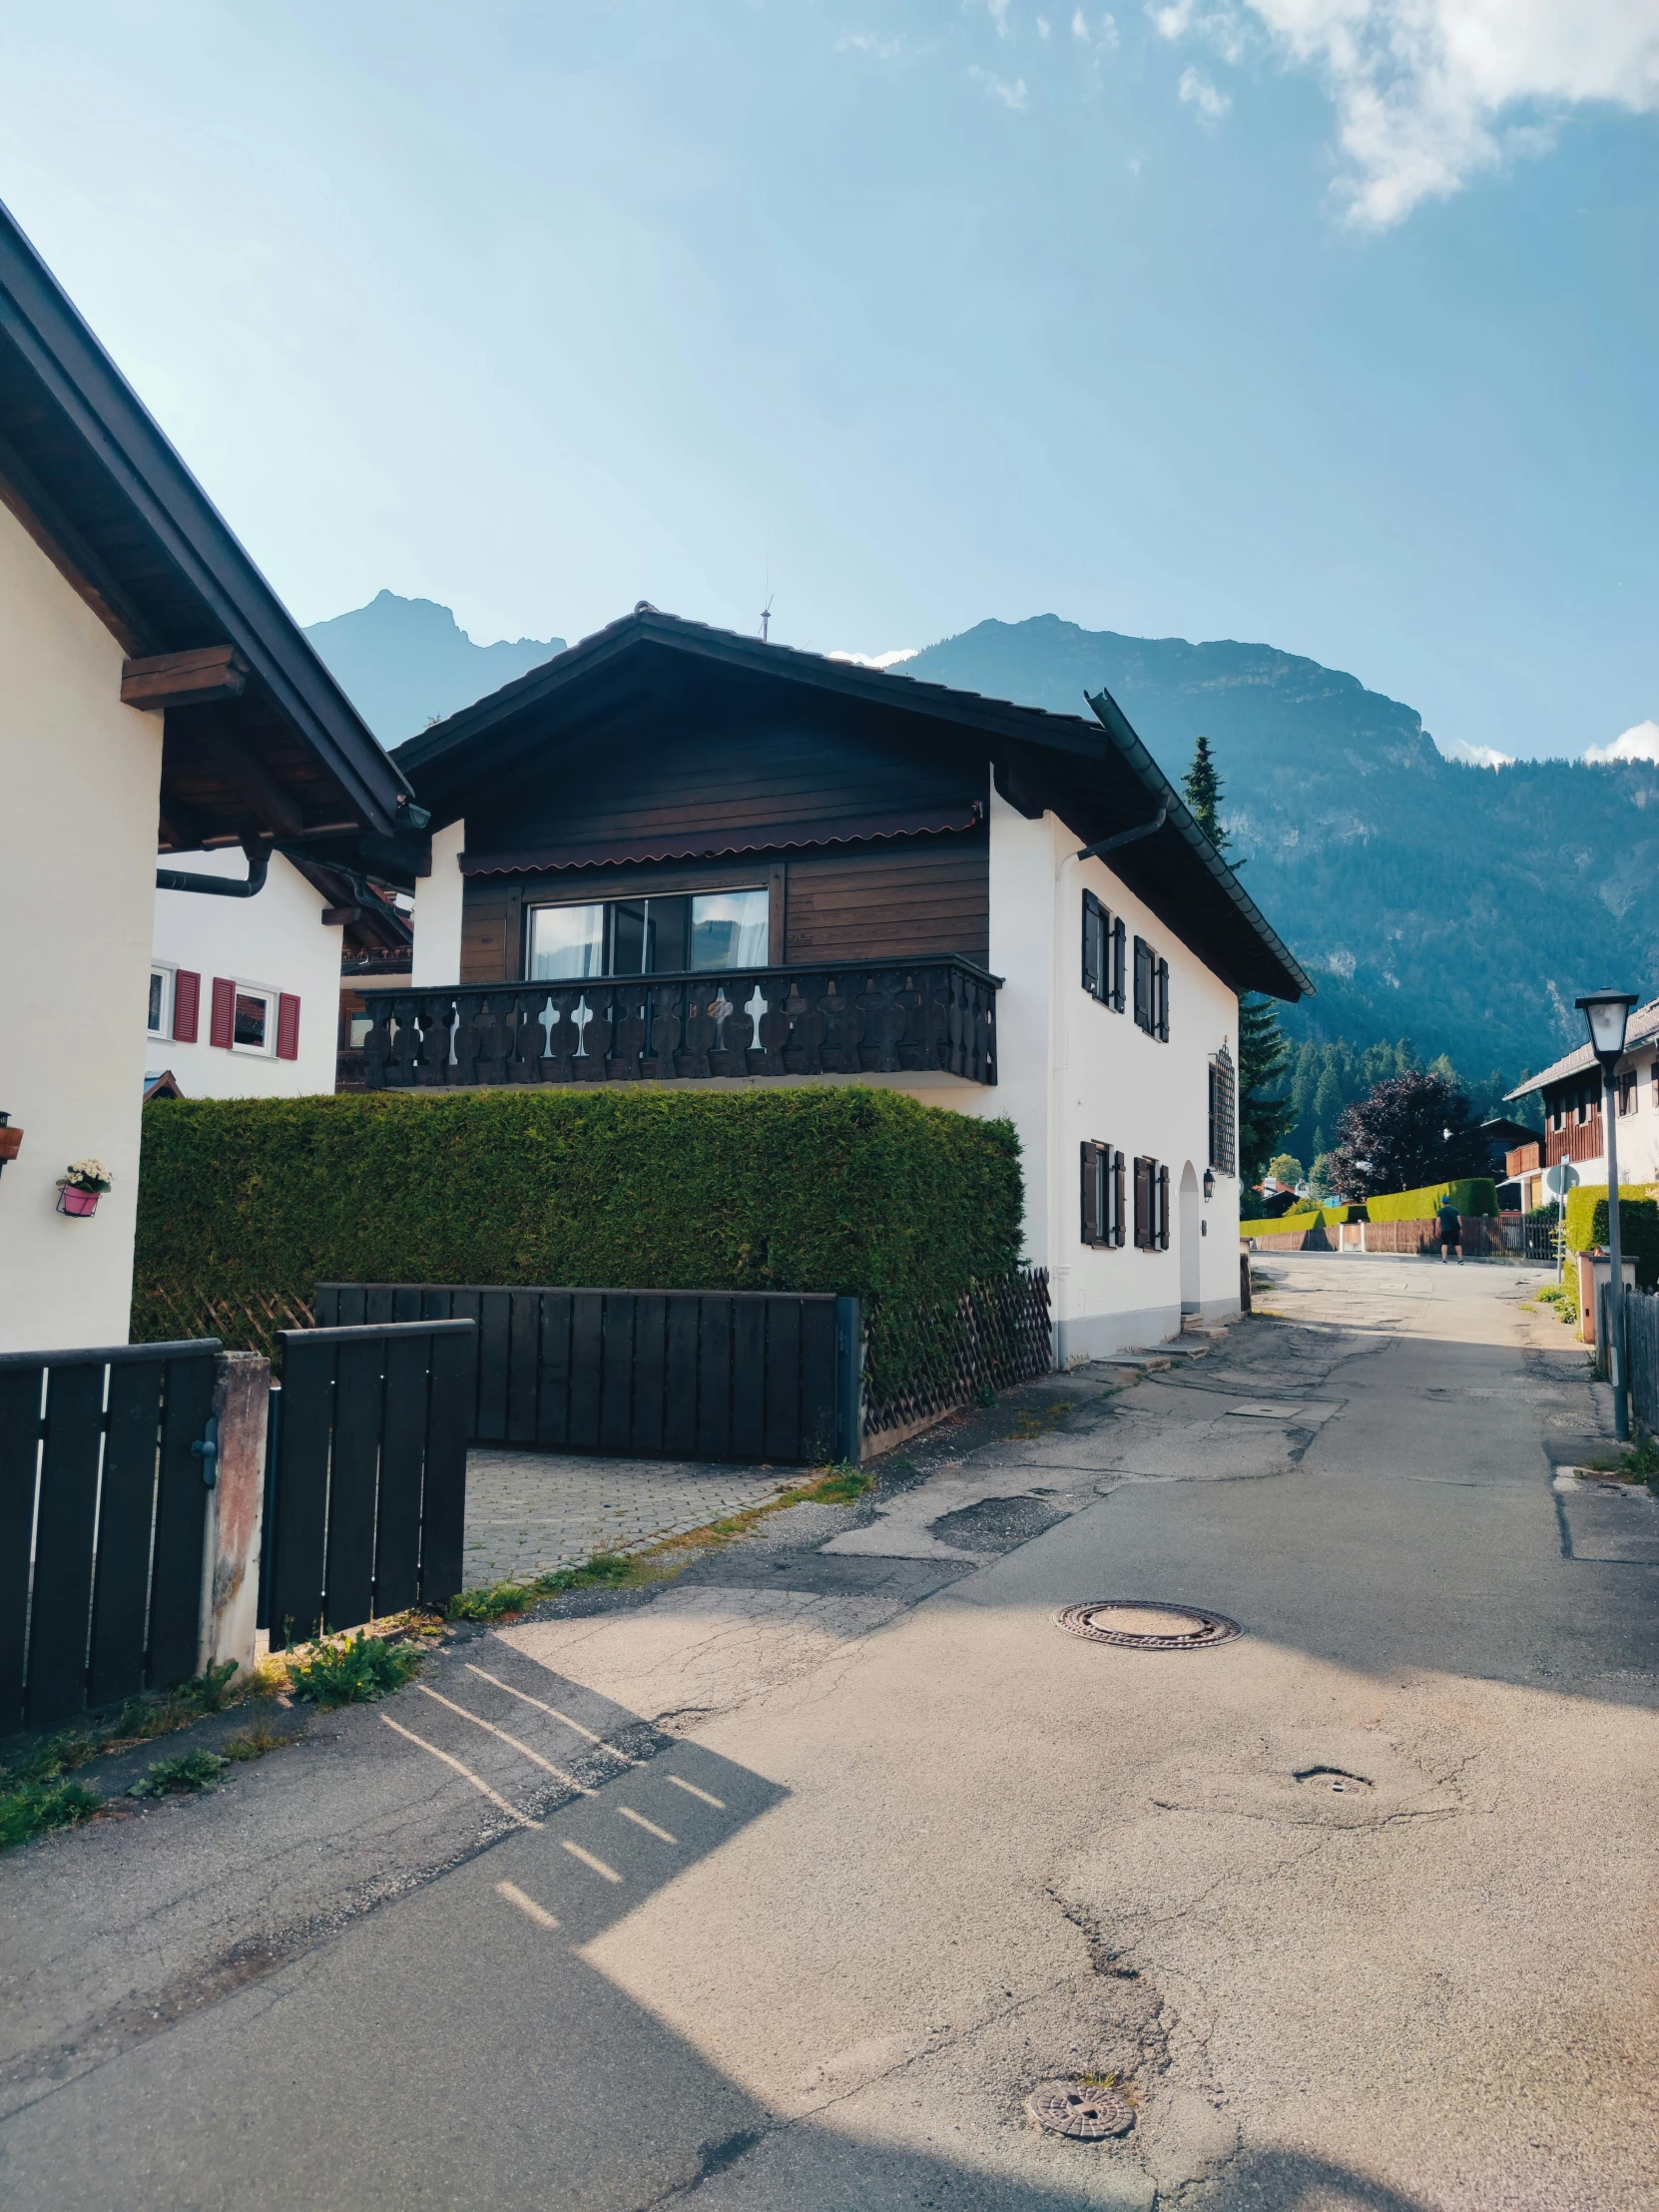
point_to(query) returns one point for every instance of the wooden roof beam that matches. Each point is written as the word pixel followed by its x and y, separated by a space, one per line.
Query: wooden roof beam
pixel 191 678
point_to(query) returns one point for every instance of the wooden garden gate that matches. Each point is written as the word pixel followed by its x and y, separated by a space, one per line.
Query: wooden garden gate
pixel 103 1491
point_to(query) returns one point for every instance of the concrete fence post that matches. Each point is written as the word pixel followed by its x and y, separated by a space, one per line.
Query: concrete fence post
pixel 235 1505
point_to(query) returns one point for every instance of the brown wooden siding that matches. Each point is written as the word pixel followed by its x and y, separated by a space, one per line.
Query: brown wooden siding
pixel 636 782
pixel 924 898
pixel 898 899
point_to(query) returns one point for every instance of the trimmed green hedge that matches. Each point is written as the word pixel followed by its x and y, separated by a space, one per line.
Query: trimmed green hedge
pixel 1475 1194
pixel 1587 1226
pixel 851 1190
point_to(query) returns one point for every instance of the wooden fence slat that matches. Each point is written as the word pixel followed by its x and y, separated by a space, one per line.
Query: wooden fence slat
pixel 494 1315
pixel 302 1490
pixel 587 1352
pixel 523 1327
pixel 325 1304
pixel 780 1372
pixel 815 1416
pixel 680 1325
pixel 553 1369
pixel 126 1507
pixel 443 1502
pixel 353 1306
pixel 616 1390
pixel 348 1580
pixel 714 1377
pixel 63 1545
pixel 181 1509
pixel 650 1351
pixel 19 1452
pixel 402 1456
pixel 749 1378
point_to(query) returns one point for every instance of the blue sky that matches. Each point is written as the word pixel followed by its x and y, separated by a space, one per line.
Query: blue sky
pixel 1327 323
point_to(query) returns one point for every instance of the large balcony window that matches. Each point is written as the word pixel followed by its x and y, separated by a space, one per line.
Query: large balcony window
pixel 650 936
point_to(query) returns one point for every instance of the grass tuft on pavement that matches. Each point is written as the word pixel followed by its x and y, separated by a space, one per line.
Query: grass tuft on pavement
pixel 186 1776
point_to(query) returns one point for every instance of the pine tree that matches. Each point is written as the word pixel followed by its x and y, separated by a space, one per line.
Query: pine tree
pixel 1264 1113
pixel 1201 785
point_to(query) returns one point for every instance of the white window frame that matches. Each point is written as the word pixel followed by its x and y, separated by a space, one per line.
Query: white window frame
pixel 164 1028
pixel 272 1006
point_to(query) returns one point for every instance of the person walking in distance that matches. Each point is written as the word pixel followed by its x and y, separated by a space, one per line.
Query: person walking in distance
pixel 1451 1230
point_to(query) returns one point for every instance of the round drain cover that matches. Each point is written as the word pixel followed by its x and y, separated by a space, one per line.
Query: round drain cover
pixel 1147 1627
pixel 1074 2108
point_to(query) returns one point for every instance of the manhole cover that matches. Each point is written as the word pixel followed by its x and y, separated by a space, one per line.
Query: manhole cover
pixel 1076 2109
pixel 1144 1627
pixel 1331 1778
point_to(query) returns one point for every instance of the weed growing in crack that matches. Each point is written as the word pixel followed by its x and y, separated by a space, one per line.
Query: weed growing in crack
pixel 353 1670
pixel 259 1738
pixel 187 1776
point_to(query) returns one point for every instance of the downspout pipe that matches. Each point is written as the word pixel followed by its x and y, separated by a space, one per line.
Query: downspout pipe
pixel 221 887
pixel 1126 836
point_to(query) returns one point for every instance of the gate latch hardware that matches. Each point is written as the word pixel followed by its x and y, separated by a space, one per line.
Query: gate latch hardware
pixel 205 1449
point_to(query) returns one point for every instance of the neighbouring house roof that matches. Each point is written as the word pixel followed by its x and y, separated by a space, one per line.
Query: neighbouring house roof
pixel 162 1084
pixel 1095 773
pixel 375 926
pixel 277 749
pixel 1642 1029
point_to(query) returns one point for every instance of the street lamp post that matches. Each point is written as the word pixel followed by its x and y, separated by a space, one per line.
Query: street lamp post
pixel 1607 1013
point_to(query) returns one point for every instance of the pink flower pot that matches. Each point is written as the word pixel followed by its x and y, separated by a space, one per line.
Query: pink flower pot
pixel 81 1203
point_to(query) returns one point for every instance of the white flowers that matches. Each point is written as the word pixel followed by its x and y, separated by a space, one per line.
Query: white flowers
pixel 88 1174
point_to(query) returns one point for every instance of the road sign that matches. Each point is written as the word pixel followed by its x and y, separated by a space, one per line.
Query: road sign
pixel 1560 1179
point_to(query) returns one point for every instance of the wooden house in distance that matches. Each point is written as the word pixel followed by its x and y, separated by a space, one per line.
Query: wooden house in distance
pixel 677 856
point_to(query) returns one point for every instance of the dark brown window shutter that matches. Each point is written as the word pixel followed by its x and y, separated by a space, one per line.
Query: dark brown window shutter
pixel 287 1026
pixel 1143 1203
pixel 1118 940
pixel 1117 1198
pixel 1090 1219
pixel 187 1005
pixel 1093 935
pixel 1162 998
pixel 1142 985
pixel 1163 1209
pixel 222 1028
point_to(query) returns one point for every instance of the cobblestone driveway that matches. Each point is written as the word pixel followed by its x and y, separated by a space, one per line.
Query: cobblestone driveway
pixel 528 1511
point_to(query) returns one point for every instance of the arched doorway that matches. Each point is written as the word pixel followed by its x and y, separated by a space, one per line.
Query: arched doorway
pixel 1188 1228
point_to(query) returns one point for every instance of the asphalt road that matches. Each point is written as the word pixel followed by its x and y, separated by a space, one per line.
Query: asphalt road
pixel 781 1889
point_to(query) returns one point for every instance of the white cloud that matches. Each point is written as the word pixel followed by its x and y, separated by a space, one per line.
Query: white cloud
pixel 1011 95
pixel 1199 93
pixel 1042 26
pixel 1638 743
pixel 1429 93
pixel 1476 756
pixel 872 43
pixel 1173 22
pixel 999 16
pixel 877 660
pixel 1106 36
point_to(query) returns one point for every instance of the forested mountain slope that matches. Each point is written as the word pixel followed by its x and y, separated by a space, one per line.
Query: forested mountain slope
pixel 1462 907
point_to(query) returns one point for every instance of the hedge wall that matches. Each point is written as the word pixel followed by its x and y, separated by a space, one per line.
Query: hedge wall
pixel 1587 1224
pixel 1476 1194
pixel 851 1190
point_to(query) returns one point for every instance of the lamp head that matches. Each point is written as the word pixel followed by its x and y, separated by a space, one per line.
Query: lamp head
pixel 1607 1013
pixel 1209 1183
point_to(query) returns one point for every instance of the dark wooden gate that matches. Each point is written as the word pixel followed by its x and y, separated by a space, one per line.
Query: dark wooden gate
pixel 101 1503
pixel 693 1375
pixel 368 1473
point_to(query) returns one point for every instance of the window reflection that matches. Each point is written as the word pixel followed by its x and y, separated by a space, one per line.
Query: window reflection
pixel 650 936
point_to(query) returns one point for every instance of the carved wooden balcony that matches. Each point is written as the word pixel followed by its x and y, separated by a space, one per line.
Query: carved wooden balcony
pixel 870 1017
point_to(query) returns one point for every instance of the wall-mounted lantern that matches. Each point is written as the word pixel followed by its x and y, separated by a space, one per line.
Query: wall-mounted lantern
pixel 11 1140
pixel 1209 1185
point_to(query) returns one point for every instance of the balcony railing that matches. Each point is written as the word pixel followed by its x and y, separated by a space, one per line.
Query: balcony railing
pixel 869 1017
pixel 1522 1159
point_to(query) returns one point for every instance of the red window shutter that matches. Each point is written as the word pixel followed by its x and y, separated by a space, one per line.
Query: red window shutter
pixel 287 1026
pixel 187 1005
pixel 222 1028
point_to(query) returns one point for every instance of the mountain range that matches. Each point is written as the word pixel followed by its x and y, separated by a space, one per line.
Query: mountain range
pixel 1460 907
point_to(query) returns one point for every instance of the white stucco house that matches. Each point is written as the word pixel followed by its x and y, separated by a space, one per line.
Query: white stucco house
pixel 677 856
pixel 156 700
pixel 1573 1100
